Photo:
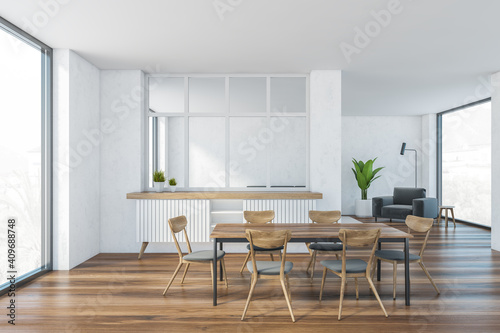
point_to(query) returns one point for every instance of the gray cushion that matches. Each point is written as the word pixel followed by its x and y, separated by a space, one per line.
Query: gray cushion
pixel 256 248
pixel 394 255
pixel 270 267
pixel 352 265
pixel 203 255
pixel 326 246
pixel 405 195
pixel 397 211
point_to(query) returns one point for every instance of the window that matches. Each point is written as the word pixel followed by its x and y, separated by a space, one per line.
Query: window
pixel 25 132
pixel 232 131
pixel 466 161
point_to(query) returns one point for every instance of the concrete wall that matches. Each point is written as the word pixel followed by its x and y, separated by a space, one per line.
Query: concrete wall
pixel 365 138
pixel 76 160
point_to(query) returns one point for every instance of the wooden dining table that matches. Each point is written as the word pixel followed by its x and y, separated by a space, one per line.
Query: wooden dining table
pixel 308 233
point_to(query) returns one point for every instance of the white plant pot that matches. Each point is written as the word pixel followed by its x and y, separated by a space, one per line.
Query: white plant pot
pixel 364 208
pixel 158 186
pixel 172 188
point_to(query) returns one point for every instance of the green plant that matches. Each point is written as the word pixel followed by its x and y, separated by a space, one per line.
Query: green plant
pixel 172 182
pixel 159 176
pixel 365 175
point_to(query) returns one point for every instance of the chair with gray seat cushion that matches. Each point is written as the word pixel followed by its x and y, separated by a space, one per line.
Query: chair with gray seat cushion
pixel 260 217
pixel 326 217
pixel 415 224
pixel 405 201
pixel 277 270
pixel 353 268
pixel 178 224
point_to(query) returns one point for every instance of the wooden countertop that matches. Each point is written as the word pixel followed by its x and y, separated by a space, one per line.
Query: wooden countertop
pixel 252 195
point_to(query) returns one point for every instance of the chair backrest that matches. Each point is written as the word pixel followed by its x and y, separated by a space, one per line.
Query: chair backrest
pixel 259 217
pixel 268 240
pixel 359 238
pixel 178 224
pixel 324 216
pixel 405 195
pixel 420 224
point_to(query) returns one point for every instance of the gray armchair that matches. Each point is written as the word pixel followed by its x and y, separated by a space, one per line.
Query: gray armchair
pixel 405 201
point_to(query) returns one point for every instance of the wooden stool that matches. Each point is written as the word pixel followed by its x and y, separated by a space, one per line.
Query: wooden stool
pixel 446 209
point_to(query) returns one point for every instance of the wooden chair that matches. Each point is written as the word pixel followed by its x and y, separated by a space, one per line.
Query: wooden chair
pixel 415 224
pixel 260 217
pixel 269 269
pixel 178 224
pixel 353 267
pixel 326 217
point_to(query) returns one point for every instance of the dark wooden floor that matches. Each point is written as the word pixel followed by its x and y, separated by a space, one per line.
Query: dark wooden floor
pixel 117 292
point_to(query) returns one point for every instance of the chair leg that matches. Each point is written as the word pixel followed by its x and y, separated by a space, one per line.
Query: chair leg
pixel 376 295
pixel 429 276
pixel 245 262
pixel 225 272
pixel 172 278
pixel 310 262
pixel 252 287
pixel 322 283
pixel 185 272
pixel 357 290
pixel 313 266
pixel 272 257
pixel 337 256
pixel 394 279
pixel 287 298
pixel 342 290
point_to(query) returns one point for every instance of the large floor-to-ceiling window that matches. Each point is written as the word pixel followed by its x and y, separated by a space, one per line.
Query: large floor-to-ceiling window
pixel 466 161
pixel 25 183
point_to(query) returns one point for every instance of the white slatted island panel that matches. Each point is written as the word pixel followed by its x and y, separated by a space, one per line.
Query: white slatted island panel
pixel 205 209
pixel 285 211
pixel 152 220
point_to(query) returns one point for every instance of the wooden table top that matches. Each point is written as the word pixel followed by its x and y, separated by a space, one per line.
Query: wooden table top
pixel 304 230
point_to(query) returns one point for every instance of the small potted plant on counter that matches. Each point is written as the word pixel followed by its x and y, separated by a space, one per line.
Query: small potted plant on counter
pixel 365 175
pixel 159 180
pixel 173 184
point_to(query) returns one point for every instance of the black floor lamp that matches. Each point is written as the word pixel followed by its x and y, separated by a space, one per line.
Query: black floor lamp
pixel 403 149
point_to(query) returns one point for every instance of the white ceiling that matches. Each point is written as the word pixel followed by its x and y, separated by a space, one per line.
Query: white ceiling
pixel 432 56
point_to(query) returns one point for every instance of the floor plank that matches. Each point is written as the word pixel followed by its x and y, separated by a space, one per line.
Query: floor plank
pixel 117 292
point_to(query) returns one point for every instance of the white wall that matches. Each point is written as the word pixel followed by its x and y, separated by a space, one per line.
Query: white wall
pixel 365 138
pixel 428 154
pixel 495 161
pixel 76 160
pixel 325 137
pixel 122 156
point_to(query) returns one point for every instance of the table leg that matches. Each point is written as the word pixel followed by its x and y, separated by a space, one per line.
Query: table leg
pixel 379 263
pixel 214 277
pixel 220 264
pixel 407 271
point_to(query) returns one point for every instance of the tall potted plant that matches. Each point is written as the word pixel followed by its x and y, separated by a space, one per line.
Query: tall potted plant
pixel 364 175
pixel 159 180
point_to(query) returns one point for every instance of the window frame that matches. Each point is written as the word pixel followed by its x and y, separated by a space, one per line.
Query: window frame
pixel 227 115
pixel 46 144
pixel 439 168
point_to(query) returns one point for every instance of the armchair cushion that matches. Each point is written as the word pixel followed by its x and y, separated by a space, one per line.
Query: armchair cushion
pixel 397 211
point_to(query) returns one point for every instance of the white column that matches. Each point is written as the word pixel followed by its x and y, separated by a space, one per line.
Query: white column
pixel 76 159
pixel 325 137
pixel 428 153
pixel 495 161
